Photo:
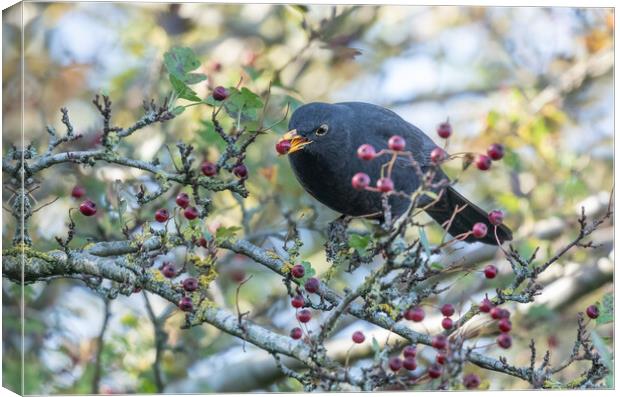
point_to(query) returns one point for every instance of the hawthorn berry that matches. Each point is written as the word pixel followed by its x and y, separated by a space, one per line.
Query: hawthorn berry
pixel 409 363
pixel 190 213
pixel 410 351
pixel 283 146
pixel 296 333
pixel 592 311
pixel 490 272
pixel 439 342
pixel 504 325
pixel 479 230
pixel 504 340
pixel 471 381
pixel 438 155
pixel 208 168
pixel 395 363
pixel 496 217
pixel 444 130
pixel 297 301
pixel 186 304
pixel 88 208
pixel 496 151
pixel 385 185
pixel 190 284
pixel 397 143
pixel 162 215
pixel 496 313
pixel 366 152
pixel 360 181
pixel 240 171
pixel 304 315
pixel 168 270
pixel 237 275
pixel 78 192
pixel 298 271
pixel 486 305
pixel 202 242
pixel 220 93
pixel 182 200
pixel 312 285
pixel 504 313
pixel 447 310
pixel 434 371
pixel 358 337
pixel 483 162
pixel 441 357
pixel 414 314
pixel 447 323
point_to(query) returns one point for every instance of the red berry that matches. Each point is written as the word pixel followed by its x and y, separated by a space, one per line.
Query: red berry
pixel 366 152
pixel 397 143
pixel 439 342
pixel 483 162
pixel 471 381
pixel 496 151
pixel 220 93
pixel 88 208
pixel 182 200
pixel 438 155
pixel 447 323
pixel 490 272
pixel 312 285
pixel 237 275
pixel 190 284
pixel 415 314
pixel 283 146
pixel 504 313
pixel 410 351
pixel 486 305
pixel 553 341
pixel 358 337
pixel 240 171
pixel 360 181
pixel 395 363
pixel 444 130
pixel 304 315
pixel 296 333
pixel 434 371
pixel 298 271
pixel 190 213
pixel 77 192
pixel 479 230
pixel 447 310
pixel 186 304
pixel 409 363
pixel 496 313
pixel 162 215
pixel 441 357
pixel 496 217
pixel 504 325
pixel 168 270
pixel 592 311
pixel 385 185
pixel 208 168
pixel 297 301
pixel 202 242
pixel 504 340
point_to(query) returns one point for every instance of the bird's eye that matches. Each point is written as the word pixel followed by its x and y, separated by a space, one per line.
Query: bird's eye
pixel 322 130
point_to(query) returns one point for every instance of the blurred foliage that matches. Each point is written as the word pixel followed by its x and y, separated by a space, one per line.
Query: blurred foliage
pixel 410 59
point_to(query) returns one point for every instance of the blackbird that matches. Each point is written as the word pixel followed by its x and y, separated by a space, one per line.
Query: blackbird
pixel 324 139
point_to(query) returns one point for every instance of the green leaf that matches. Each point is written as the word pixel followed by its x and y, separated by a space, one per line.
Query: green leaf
pixel 243 103
pixel 436 266
pixel 179 61
pixel 424 241
pixel 359 243
pixel 605 353
pixel 308 271
pixel 178 110
pixel 376 348
pixel 606 309
pixel 226 233
pixel 182 90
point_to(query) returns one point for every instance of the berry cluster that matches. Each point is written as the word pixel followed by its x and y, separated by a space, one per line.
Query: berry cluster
pixel 504 340
pixel 312 286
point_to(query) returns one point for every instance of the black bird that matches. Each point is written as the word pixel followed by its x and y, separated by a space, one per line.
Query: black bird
pixel 324 140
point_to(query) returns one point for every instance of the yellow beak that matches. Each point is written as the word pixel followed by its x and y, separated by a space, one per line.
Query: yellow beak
pixel 297 141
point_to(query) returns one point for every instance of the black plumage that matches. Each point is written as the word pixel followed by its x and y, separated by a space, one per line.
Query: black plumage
pixel 326 161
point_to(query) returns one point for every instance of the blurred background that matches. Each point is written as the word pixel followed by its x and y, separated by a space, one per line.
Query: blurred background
pixel 538 80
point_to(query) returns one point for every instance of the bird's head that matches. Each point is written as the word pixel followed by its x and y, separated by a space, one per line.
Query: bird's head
pixel 315 126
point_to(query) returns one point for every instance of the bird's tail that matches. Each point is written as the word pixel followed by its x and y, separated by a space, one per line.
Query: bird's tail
pixel 465 219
